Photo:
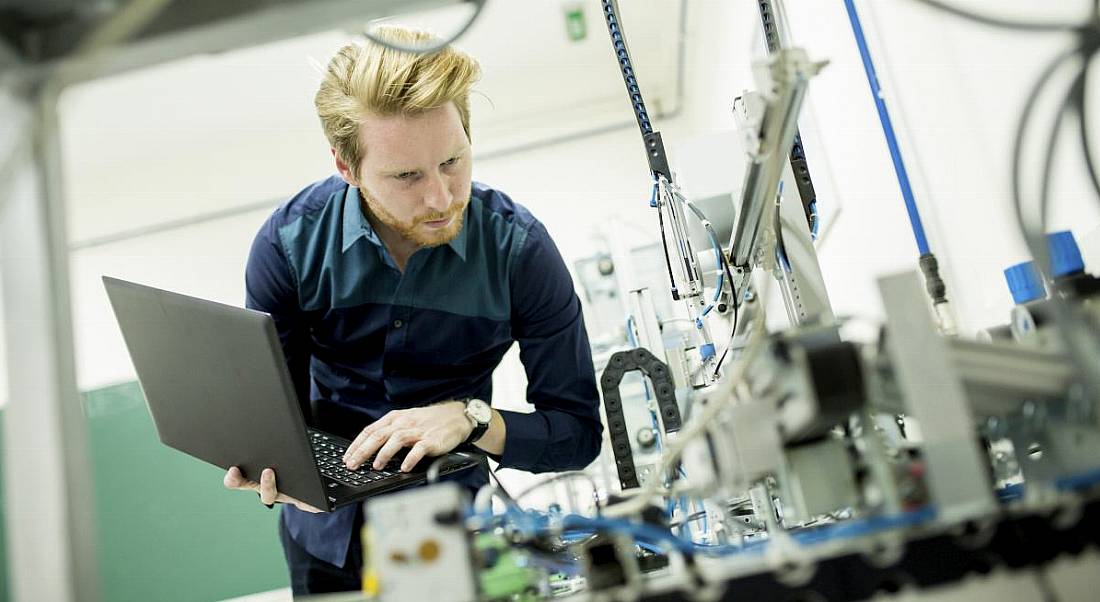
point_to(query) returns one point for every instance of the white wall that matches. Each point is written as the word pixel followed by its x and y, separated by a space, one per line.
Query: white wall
pixel 237 128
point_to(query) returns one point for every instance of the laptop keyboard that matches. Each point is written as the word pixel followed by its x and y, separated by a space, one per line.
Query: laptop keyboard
pixel 329 455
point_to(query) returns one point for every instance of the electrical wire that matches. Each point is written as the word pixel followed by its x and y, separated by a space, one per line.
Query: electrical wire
pixel 1021 131
pixel 479 6
pixel 694 517
pixel 997 21
pixel 718 255
pixel 1082 115
pixel 1052 144
pixel 558 478
pixel 736 317
pixel 664 241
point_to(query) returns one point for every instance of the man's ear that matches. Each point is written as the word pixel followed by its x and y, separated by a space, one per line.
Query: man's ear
pixel 346 173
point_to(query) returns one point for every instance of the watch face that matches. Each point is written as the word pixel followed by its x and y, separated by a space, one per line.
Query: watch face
pixel 479 411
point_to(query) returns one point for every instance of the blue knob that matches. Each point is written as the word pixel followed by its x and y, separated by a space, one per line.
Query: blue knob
pixel 1065 256
pixel 1024 283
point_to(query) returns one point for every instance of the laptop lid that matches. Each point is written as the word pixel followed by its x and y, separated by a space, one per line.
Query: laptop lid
pixel 216 383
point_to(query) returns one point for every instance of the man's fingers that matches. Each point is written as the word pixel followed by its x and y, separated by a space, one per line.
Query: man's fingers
pixel 286 499
pixel 267 488
pixel 396 441
pixel 416 454
pixel 235 480
pixel 383 422
pixel 232 478
pixel 358 442
pixel 268 491
pixel 370 446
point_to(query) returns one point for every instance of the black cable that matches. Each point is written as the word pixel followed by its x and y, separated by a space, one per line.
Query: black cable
pixel 500 485
pixel 561 477
pixel 736 316
pixel 664 247
pixel 479 6
pixel 1052 143
pixel 690 518
pixel 1018 141
pixel 998 21
pixel 1083 122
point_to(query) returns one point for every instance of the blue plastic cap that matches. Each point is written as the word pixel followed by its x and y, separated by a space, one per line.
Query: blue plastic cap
pixel 1065 256
pixel 1024 283
pixel 707 351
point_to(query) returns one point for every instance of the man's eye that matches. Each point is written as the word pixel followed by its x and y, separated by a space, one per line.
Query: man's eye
pixel 405 175
pixel 450 162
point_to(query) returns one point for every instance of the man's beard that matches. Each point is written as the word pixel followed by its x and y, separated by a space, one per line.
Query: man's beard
pixel 412 231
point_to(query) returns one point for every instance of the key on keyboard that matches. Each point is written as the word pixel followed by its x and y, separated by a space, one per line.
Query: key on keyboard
pixel 329 455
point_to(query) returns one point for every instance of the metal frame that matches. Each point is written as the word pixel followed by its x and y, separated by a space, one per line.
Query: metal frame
pixel 788 74
pixel 803 286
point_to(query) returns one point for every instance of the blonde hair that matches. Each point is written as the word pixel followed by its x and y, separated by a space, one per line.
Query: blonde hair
pixel 370 78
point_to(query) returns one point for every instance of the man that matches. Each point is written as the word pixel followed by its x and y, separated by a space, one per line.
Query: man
pixel 398 286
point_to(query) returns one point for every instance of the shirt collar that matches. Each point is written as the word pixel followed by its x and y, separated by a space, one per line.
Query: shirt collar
pixel 356 226
pixel 458 243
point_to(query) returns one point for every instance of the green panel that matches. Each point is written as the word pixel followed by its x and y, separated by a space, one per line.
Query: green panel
pixel 167 530
pixel 5 595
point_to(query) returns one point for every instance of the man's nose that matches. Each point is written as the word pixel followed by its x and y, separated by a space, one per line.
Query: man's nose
pixel 437 197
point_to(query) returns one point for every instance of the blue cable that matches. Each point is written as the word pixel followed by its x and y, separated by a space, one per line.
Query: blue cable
pixel 534 523
pixel 721 272
pixel 645 546
pixel 815 219
pixel 780 253
pixel 1081 480
pixel 888 130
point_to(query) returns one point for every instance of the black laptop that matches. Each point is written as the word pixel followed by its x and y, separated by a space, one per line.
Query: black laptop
pixel 218 389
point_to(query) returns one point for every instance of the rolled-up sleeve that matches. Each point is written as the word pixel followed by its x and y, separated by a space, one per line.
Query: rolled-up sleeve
pixel 564 432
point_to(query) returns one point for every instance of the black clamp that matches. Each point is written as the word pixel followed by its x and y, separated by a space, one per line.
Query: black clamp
pixel 664 390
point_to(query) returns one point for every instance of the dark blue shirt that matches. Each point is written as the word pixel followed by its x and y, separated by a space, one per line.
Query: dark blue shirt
pixel 362 338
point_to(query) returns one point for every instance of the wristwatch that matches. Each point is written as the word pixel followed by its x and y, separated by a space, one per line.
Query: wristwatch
pixel 480 414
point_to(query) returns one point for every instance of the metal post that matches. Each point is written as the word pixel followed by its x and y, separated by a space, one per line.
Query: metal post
pixel 49 504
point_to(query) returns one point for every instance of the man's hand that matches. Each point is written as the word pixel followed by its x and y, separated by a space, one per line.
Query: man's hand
pixel 266 488
pixel 430 431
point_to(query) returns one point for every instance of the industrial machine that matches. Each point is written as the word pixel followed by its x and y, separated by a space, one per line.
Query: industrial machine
pixel 794 463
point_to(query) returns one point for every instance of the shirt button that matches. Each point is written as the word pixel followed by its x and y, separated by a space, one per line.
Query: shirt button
pixel 398 323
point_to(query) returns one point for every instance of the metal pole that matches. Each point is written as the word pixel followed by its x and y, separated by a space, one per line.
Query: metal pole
pixel 49 506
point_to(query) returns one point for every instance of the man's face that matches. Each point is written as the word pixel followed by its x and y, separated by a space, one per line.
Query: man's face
pixel 415 174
